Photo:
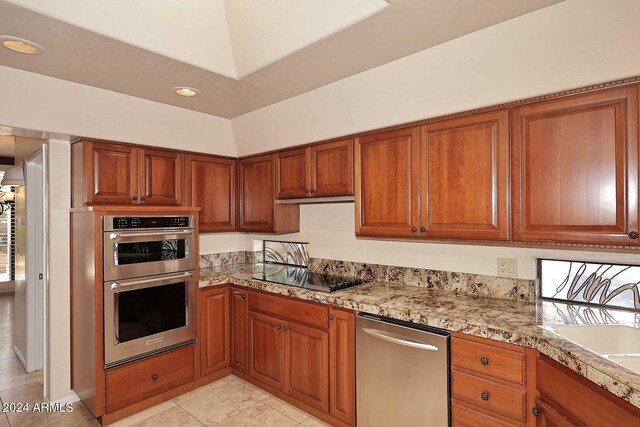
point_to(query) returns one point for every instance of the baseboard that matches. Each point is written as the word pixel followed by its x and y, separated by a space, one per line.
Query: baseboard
pixel 20 357
pixel 71 398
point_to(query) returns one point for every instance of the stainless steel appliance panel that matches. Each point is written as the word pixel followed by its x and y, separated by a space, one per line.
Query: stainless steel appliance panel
pixel 402 375
pixel 156 319
pixel 149 252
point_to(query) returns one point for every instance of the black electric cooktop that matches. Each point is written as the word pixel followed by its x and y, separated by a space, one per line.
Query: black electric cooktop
pixel 302 278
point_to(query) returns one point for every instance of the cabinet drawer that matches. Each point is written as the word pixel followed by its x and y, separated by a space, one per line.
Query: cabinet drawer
pixel 489 396
pixel 135 382
pixel 283 308
pixel 498 362
pixel 466 417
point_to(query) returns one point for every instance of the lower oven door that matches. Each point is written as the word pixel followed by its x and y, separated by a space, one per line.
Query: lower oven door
pixel 130 254
pixel 147 315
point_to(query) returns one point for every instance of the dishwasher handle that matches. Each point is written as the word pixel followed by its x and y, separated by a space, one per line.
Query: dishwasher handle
pixel 398 339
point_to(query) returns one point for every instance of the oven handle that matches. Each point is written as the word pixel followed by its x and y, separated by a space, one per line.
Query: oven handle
pixel 114 236
pixel 117 287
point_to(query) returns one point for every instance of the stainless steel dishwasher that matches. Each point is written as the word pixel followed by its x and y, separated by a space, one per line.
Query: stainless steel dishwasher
pixel 402 373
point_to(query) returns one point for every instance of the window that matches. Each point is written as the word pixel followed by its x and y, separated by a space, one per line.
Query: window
pixel 7 238
pixel 608 285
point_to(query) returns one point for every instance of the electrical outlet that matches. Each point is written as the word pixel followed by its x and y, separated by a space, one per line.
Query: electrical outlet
pixel 508 267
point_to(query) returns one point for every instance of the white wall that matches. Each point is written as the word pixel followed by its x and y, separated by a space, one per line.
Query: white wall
pixel 568 45
pixel 34 101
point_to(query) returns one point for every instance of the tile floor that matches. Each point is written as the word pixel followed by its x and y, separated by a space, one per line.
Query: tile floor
pixel 227 402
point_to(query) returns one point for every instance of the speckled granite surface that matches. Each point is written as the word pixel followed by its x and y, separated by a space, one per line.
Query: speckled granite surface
pixel 517 322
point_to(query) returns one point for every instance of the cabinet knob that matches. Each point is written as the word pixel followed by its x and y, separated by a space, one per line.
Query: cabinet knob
pixel 142 199
pixel 154 377
pixel 243 296
pixel 278 327
pixel 485 396
pixel 284 328
pixel 134 198
pixel 331 317
pixel 484 361
pixel 535 411
pixel 312 190
pixel 634 234
pixel 306 190
pixel 414 229
pixel 423 229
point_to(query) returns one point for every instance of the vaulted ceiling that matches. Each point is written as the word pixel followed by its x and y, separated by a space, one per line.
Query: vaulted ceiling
pixel 240 54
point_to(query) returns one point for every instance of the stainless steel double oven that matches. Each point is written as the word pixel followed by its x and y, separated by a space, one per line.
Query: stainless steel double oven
pixel 149 285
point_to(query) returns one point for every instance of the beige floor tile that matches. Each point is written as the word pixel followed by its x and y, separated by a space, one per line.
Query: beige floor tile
pixel 10 364
pixel 135 418
pixel 218 404
pixel 35 419
pixel 174 417
pixel 287 409
pixel 314 422
pixel 255 392
pixel 18 378
pixel 4 421
pixel 79 417
pixel 28 393
pixel 199 391
pixel 258 415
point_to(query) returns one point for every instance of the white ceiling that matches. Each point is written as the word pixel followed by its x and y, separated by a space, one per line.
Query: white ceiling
pixel 241 54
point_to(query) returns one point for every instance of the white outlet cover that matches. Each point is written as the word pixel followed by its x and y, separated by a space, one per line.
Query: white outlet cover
pixel 508 267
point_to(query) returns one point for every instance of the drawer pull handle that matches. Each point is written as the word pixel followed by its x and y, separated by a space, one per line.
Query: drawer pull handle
pixel 484 361
pixel 485 396
pixel 535 411
pixel 154 377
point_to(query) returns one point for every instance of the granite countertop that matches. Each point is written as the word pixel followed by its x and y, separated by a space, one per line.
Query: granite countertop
pixel 516 322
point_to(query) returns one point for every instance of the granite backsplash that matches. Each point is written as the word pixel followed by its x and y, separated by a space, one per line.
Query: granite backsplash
pixel 466 283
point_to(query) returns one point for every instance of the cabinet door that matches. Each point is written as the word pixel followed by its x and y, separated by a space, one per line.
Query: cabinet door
pixel 110 174
pixel 214 330
pixel 332 168
pixel 464 177
pixel 211 186
pixel 239 344
pixel 575 169
pixel 342 369
pixel 307 364
pixel 266 350
pixel 550 416
pixel 256 193
pixel 387 183
pixel 292 174
pixel 160 177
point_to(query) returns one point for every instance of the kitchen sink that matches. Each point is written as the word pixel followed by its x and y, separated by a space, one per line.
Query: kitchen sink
pixel 631 362
pixel 603 339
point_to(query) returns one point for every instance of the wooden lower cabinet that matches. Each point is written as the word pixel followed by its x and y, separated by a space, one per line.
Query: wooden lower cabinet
pixel 214 329
pixel 568 399
pixel 239 329
pixel 266 350
pixel 342 365
pixel 307 364
pixel 136 381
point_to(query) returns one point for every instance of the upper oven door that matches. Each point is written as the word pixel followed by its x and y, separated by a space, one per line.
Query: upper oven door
pixel 130 254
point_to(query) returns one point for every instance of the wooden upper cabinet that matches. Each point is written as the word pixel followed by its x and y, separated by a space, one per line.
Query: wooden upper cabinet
pixel 161 175
pixel 386 170
pixel 292 174
pixel 464 177
pixel 331 169
pixel 211 186
pixel 318 171
pixel 104 174
pixel 258 210
pixel 575 169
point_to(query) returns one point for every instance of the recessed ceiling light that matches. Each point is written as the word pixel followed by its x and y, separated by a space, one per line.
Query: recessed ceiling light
pixel 185 91
pixel 19 45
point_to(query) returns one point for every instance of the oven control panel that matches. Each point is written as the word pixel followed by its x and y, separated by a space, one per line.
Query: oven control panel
pixel 129 222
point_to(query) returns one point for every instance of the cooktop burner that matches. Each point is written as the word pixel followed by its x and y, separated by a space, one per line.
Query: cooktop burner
pixel 302 278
